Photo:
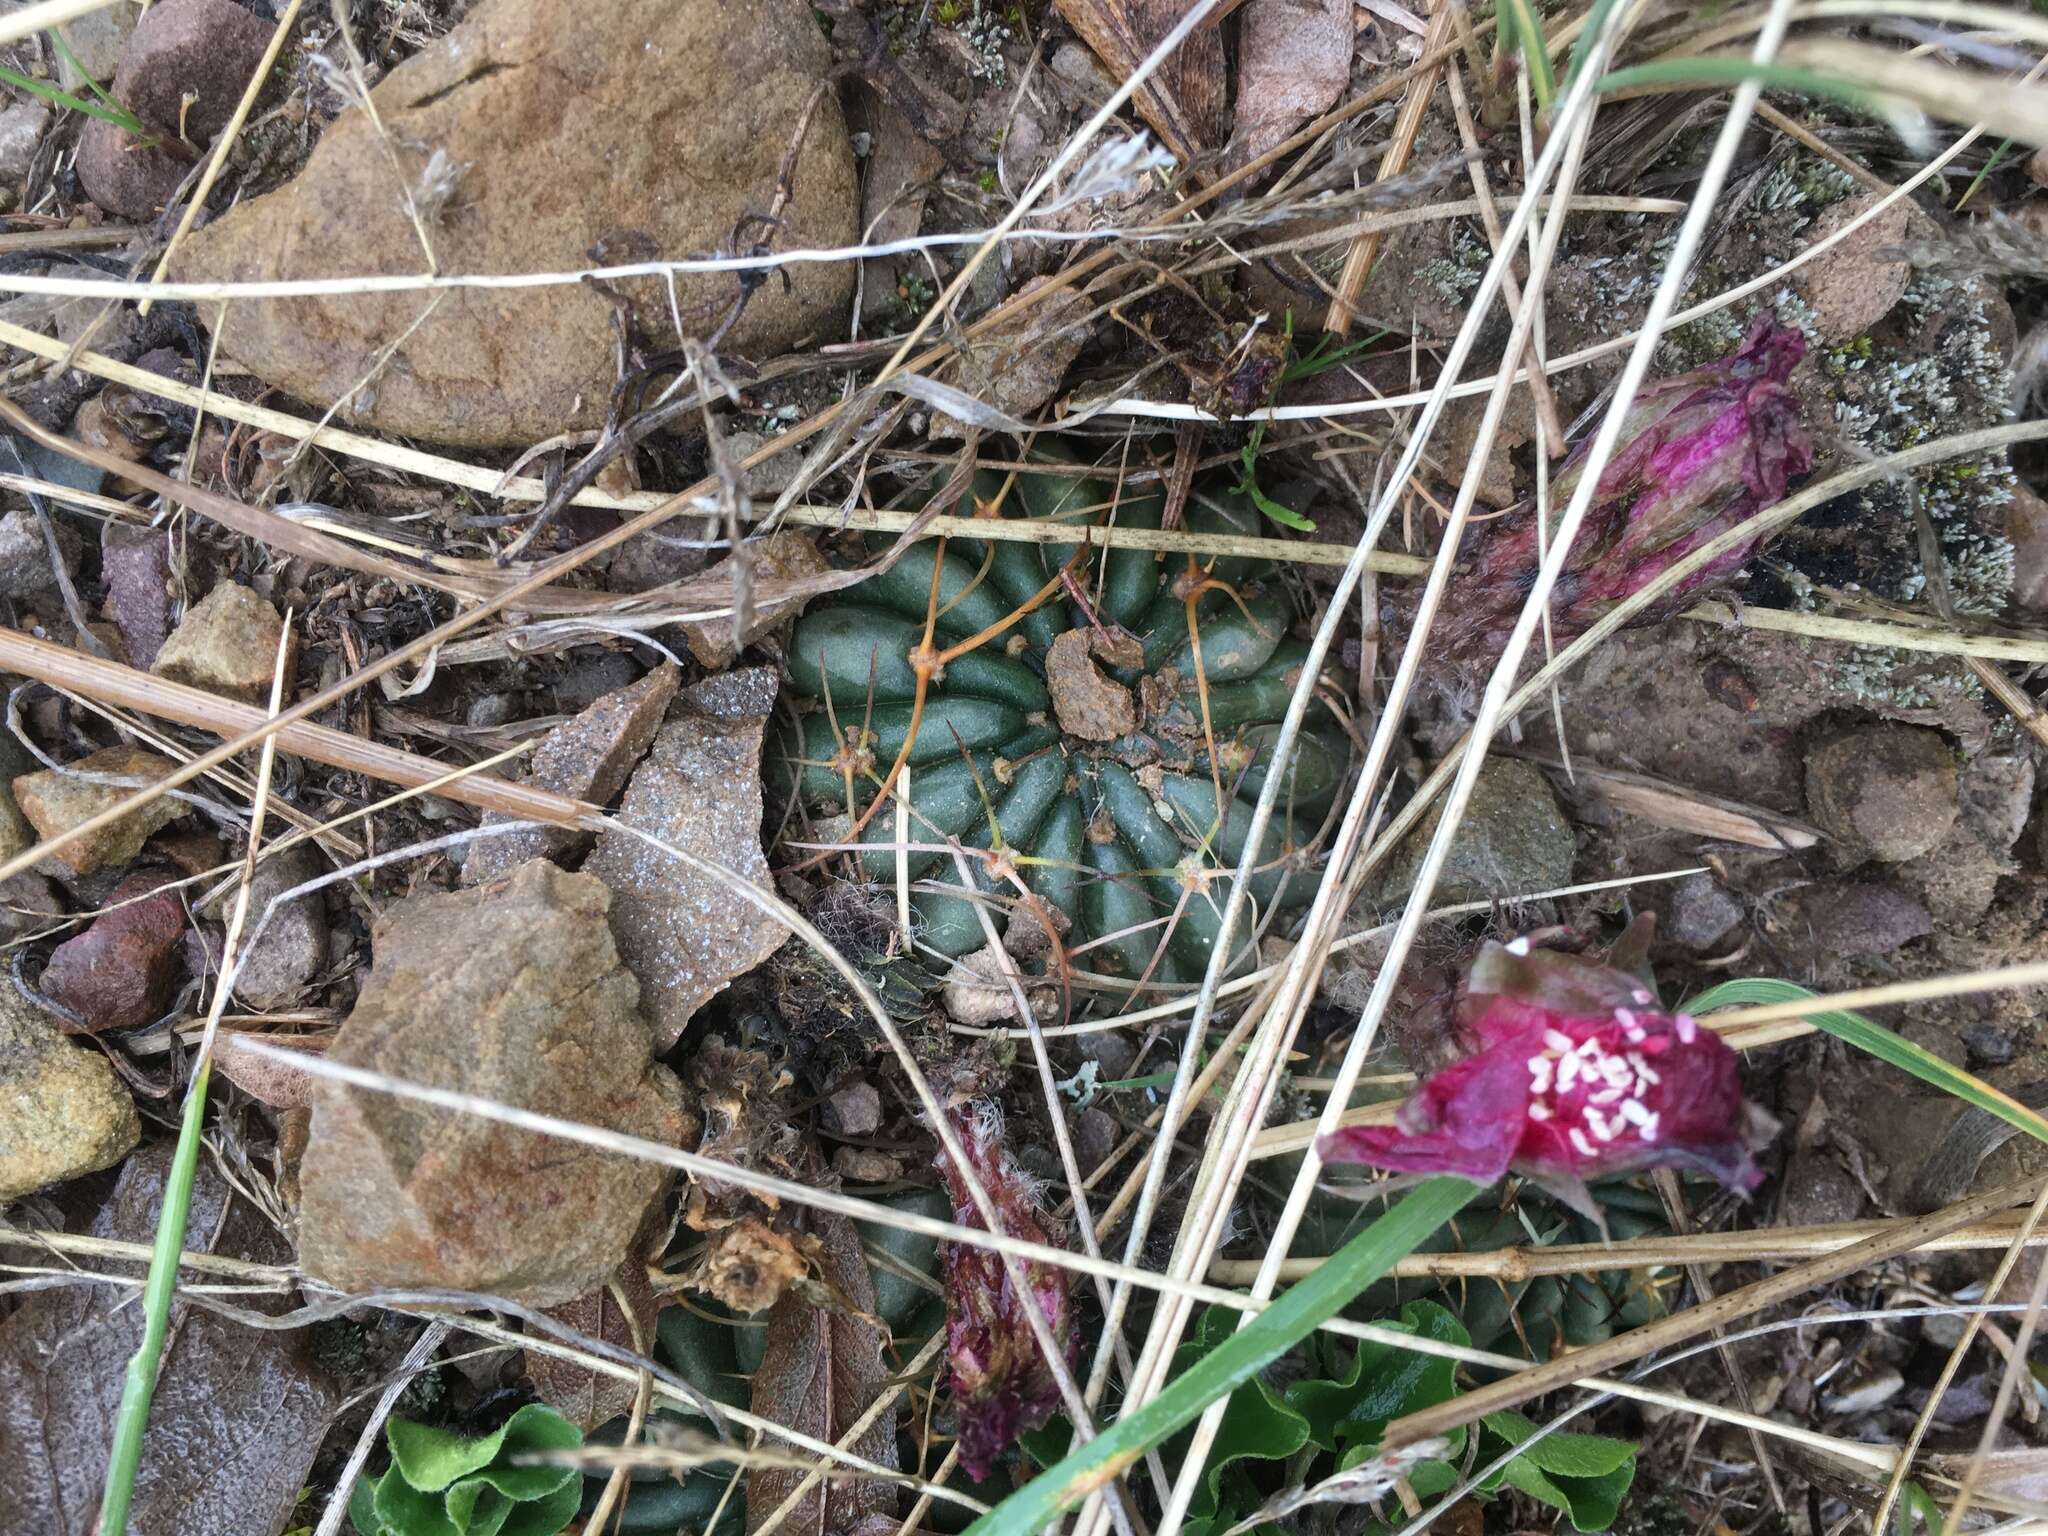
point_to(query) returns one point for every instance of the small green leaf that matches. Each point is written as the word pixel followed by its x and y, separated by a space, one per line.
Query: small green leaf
pixel 1565 1454
pixel 1286 1322
pixel 1258 1424
pixel 445 1484
pixel 1586 1476
pixel 1383 1382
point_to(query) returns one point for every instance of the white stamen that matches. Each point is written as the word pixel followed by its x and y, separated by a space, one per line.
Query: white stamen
pixel 1688 1028
pixel 1650 1128
pixel 1557 1041
pixel 1539 1074
pixel 1519 945
pixel 1633 1111
pixel 1567 1073
pixel 1608 1095
pixel 1643 996
pixel 1539 1111
pixel 1643 1072
pixel 1582 1146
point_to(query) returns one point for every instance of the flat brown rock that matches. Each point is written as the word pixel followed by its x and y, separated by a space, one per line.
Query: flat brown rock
pixel 684 932
pixel 570 132
pixel 56 802
pixel 586 758
pixel 512 992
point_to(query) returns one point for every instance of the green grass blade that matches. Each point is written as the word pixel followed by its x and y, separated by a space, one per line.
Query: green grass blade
pixel 1687 73
pixel 1263 1338
pixel 1872 1038
pixel 1596 22
pixel 120 118
pixel 1526 27
pixel 125 1454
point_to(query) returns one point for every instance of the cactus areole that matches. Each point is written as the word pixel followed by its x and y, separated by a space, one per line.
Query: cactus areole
pixel 1093 726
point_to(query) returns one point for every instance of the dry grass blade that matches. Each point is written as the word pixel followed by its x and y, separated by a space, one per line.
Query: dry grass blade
pixel 1730 1307
pixel 110 682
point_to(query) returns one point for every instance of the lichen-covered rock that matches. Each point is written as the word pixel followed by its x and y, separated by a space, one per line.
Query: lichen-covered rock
pixel 63 1112
pixel 56 802
pixel 513 992
pixel 586 758
pixel 685 933
pixel 1512 840
pixel 1885 792
pixel 226 643
pixel 282 958
pixel 25 554
pixel 556 132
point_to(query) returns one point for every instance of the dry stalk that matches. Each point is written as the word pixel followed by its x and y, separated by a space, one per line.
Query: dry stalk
pixel 1720 1312
pixel 1358 260
pixel 1897 1481
pixel 110 682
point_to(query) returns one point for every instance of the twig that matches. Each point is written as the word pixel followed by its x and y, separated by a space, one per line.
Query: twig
pixel 1897 1481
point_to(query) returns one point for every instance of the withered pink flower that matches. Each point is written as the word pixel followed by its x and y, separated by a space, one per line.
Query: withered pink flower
pixel 1001 1383
pixel 1576 1076
pixel 1698 454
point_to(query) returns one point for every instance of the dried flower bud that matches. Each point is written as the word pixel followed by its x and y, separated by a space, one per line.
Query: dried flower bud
pixel 1001 1382
pixel 1697 455
pixel 1576 1076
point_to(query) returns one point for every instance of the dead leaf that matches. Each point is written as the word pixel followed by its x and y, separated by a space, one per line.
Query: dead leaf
pixel 1183 101
pixel 585 1397
pixel 239 1412
pixel 749 1266
pixel 686 933
pixel 1293 62
pixel 1086 703
pixel 277 1083
pixel 821 1372
pixel 1020 364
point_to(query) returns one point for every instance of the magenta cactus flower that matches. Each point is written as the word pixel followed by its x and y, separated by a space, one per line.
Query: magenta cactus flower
pixel 1698 454
pixel 1576 1075
pixel 1001 1383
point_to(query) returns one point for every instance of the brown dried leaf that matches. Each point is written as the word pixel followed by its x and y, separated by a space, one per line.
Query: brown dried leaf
pixel 749 1266
pixel 585 1397
pixel 1293 62
pixel 1086 703
pixel 277 1083
pixel 685 933
pixel 785 571
pixel 1183 101
pixel 239 1412
pixel 821 1372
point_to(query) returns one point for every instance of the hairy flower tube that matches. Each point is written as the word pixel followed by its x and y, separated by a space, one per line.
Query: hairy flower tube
pixel 1576 1076
pixel 1698 454
pixel 1001 1382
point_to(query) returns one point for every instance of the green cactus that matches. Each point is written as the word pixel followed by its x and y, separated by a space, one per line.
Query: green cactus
pixel 1123 837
